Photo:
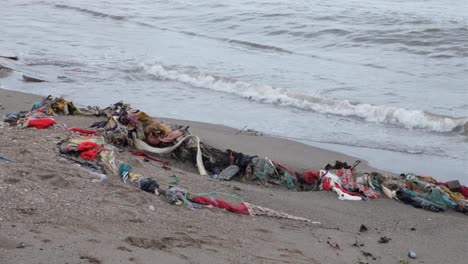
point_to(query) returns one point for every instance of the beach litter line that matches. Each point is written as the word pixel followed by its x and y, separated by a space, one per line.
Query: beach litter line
pixel 134 130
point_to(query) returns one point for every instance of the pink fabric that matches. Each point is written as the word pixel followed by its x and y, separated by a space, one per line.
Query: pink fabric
pixel 173 136
pixel 41 123
pixel 328 185
pixel 347 180
pixel 239 208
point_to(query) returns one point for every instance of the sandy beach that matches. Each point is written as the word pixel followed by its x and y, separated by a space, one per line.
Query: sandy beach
pixel 51 211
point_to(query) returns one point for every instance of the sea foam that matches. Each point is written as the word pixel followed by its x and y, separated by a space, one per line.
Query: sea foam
pixel 407 118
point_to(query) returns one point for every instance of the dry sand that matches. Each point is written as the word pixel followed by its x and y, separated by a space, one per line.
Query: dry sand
pixel 51 212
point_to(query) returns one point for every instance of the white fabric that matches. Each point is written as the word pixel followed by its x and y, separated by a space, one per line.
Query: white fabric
pixel 345 196
pixel 335 179
pixel 141 145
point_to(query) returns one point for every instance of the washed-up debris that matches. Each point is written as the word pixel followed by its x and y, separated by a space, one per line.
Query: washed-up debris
pixel 363 228
pixel 333 245
pixel 6 159
pixel 21 245
pixel 358 244
pixel 384 240
pixel 134 130
pixel 411 254
pixel 368 255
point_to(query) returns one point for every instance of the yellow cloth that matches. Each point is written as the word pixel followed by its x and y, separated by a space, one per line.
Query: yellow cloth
pixel 150 126
pixel 134 176
pixel 457 197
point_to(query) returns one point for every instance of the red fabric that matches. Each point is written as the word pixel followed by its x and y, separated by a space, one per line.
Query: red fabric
pixel 327 185
pixel 310 176
pixel 41 123
pixel 239 208
pixel 87 145
pixel 92 153
pixel 90 150
pixel 89 154
pixel 143 154
pixel 83 132
pixel 464 191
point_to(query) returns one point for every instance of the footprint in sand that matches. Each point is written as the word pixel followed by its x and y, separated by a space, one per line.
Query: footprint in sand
pixel 55 180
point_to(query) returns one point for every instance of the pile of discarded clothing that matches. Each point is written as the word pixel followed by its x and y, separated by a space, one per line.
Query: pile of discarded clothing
pixel 130 128
pixel 419 191
pixel 41 113
pixel 91 152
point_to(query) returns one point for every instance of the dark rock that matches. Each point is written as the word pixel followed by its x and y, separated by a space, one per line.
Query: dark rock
pixel 363 228
pixel 384 240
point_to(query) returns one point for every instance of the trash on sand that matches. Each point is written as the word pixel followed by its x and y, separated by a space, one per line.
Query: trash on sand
pixel 384 240
pixel 141 134
pixel 411 254
pixel 363 228
pixel 21 245
pixel 100 177
pixel 146 184
pixel 5 159
pixel 41 123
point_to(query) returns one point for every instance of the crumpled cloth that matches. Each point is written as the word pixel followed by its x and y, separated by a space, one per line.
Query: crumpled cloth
pixel 247 209
pixel 174 194
pixel 348 182
pixel 148 184
pixel 239 208
pixel 141 145
pixel 331 181
pixel 41 123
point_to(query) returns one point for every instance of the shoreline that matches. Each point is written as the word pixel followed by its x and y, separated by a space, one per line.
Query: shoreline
pixel 297 155
pixel 51 203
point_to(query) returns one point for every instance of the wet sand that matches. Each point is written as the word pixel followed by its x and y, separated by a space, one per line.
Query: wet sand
pixel 51 212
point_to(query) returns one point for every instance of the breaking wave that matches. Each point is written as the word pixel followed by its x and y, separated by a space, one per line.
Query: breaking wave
pixel 401 117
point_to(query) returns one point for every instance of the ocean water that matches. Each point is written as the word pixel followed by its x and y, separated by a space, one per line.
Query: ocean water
pixel 384 80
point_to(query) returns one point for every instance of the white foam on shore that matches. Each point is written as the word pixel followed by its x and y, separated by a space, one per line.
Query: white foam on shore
pixel 407 118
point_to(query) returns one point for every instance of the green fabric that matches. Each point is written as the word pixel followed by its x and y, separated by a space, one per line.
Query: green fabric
pixel 263 170
pixel 440 198
pixel 287 180
pixel 376 183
